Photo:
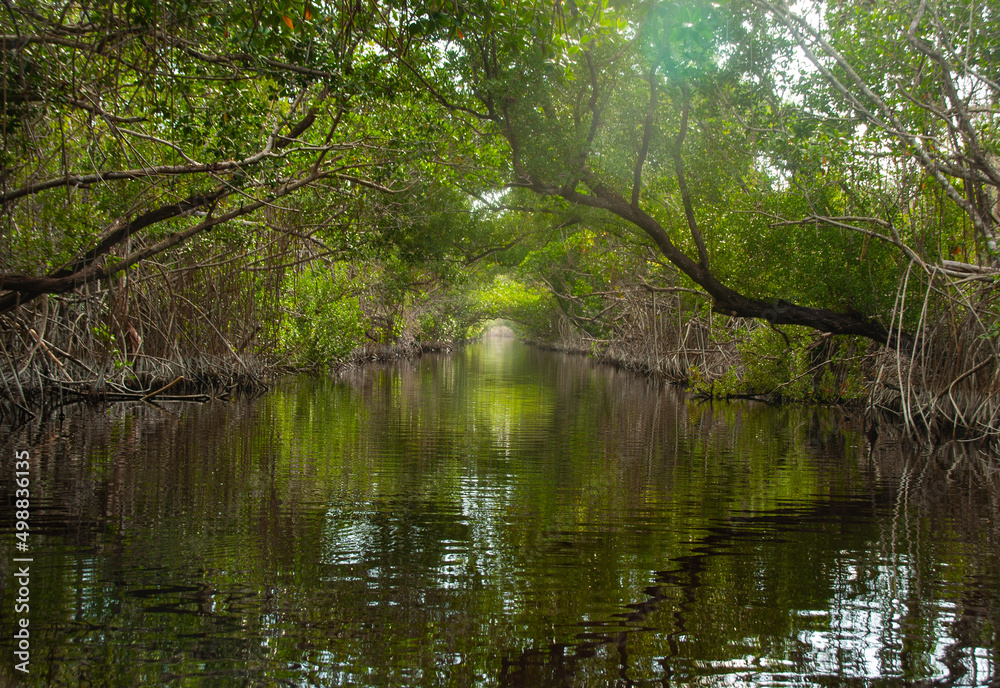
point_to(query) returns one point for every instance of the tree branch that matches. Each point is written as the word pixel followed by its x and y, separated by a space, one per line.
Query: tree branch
pixel 726 300
pixel 647 134
pixel 26 288
pixel 682 183
pixel 274 143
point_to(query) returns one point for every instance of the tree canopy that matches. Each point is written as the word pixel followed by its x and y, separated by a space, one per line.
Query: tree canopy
pixel 289 174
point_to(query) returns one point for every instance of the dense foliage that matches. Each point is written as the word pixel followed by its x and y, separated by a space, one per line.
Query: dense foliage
pixel 302 183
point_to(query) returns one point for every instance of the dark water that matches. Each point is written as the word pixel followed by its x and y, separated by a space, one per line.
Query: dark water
pixel 499 517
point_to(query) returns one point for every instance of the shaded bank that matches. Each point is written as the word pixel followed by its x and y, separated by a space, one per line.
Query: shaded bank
pixel 110 346
pixel 948 387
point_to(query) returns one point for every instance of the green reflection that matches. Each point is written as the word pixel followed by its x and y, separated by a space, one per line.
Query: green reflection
pixel 502 516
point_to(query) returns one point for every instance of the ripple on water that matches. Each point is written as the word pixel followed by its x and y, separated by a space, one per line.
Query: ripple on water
pixel 508 517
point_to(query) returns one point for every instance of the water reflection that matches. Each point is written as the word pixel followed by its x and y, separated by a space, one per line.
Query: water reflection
pixel 503 516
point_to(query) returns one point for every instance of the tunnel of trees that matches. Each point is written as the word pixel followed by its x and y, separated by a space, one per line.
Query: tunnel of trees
pixel 797 202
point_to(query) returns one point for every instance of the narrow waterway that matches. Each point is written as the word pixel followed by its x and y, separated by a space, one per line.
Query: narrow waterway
pixel 501 516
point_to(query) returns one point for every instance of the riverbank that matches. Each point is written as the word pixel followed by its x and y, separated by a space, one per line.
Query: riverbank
pixel 51 379
pixel 791 365
pixel 39 389
pixel 800 366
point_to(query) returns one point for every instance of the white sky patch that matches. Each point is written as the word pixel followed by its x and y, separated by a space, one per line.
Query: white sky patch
pixel 490 199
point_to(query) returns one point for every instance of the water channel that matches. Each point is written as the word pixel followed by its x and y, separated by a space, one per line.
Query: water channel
pixel 501 516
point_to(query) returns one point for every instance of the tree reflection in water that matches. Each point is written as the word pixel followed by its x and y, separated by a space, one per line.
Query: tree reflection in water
pixel 504 516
